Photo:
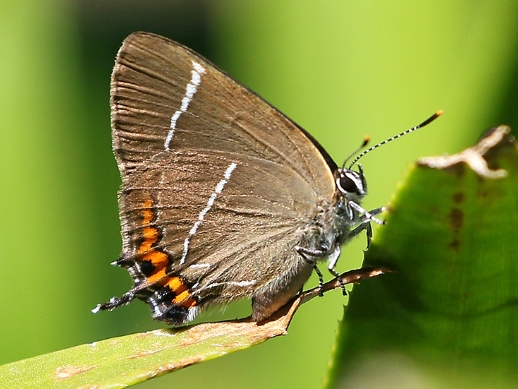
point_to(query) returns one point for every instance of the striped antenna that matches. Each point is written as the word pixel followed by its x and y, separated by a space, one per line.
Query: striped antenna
pixel 421 125
pixel 365 142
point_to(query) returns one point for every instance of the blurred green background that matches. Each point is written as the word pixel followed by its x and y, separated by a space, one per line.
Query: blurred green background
pixel 341 69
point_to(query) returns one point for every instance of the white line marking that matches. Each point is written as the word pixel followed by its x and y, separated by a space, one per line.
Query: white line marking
pixel 210 203
pixel 190 91
pixel 200 266
pixel 239 284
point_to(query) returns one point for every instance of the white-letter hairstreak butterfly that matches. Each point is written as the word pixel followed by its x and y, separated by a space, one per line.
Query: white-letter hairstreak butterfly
pixel 222 196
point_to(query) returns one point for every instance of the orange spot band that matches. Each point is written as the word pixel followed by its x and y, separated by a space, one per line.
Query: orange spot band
pixel 157 278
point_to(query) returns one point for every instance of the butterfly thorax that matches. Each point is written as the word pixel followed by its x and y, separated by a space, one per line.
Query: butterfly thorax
pixel 335 221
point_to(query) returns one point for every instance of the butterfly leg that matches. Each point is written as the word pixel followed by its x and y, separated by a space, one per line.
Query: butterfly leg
pixel 365 222
pixel 309 254
pixel 333 259
pixel 320 280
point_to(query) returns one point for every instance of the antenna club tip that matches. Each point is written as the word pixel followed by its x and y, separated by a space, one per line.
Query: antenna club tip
pixel 439 112
pixel 366 140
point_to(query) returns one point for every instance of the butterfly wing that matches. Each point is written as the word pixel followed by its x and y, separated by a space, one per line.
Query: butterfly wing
pixel 218 186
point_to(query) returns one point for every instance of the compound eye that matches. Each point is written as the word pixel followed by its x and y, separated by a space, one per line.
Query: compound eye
pixel 348 185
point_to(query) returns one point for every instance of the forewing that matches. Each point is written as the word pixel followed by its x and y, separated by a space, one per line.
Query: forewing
pixel 165 96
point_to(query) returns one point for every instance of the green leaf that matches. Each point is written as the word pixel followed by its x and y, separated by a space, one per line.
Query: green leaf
pixel 127 360
pixel 448 316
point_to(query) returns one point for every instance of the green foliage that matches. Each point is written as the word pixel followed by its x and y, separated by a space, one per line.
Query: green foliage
pixel 447 316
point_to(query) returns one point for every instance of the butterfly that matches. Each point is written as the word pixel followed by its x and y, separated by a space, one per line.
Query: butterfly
pixel 222 197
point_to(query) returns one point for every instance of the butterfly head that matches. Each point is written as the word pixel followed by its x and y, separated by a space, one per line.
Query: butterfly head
pixel 352 184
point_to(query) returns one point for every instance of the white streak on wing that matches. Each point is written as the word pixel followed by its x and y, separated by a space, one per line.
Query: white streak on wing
pixel 204 211
pixel 199 266
pixel 239 284
pixel 190 91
